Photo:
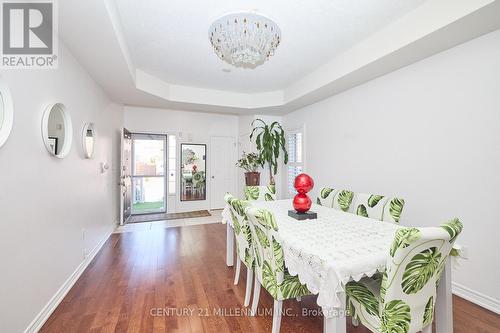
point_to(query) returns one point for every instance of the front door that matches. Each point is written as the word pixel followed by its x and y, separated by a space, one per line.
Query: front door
pixel 148 173
pixel 223 169
pixel 125 179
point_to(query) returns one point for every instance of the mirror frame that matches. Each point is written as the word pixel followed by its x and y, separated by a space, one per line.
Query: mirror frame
pixel 68 130
pixel 8 113
pixel 86 127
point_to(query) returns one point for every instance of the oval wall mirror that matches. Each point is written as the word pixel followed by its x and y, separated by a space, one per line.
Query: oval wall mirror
pixel 57 130
pixel 89 138
pixel 6 113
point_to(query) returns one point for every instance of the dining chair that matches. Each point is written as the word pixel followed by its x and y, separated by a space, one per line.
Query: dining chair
pixel 374 206
pixel 377 207
pixel 402 299
pixel 270 270
pixel 260 193
pixel 244 247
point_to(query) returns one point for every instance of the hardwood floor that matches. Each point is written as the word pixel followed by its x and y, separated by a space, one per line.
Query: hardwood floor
pixel 176 280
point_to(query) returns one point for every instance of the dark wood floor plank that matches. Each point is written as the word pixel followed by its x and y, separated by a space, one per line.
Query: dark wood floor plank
pixel 182 270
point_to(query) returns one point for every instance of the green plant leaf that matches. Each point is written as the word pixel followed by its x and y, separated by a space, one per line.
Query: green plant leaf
pixel 396 207
pixel 429 312
pixel 344 199
pixel 291 287
pixel 251 192
pixel 268 197
pixel 266 219
pixel 318 201
pixel 404 237
pixel 454 228
pixel 396 317
pixel 363 296
pixel 420 269
pixel 236 223
pixel 325 192
pixel 278 256
pixel 248 258
pixel 261 235
pixel 374 199
pixel 271 189
pixel 239 206
pixel 269 280
pixel 247 233
pixel 383 285
pixel 361 210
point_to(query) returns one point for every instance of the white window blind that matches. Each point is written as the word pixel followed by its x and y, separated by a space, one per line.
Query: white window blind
pixel 295 158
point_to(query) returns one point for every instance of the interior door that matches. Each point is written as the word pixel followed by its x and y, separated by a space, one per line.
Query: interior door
pixel 125 176
pixel 223 170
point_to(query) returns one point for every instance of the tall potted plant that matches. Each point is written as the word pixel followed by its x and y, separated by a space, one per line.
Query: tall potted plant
pixel 250 163
pixel 270 141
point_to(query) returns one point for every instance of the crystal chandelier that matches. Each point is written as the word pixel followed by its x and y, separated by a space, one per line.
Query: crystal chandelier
pixel 244 39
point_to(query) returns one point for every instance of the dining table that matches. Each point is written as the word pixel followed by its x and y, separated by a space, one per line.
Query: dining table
pixel 333 249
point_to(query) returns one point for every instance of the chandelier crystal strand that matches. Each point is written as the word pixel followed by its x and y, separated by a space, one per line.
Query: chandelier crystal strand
pixel 244 39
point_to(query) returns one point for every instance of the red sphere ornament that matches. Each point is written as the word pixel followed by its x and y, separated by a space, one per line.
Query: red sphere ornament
pixel 303 183
pixel 302 203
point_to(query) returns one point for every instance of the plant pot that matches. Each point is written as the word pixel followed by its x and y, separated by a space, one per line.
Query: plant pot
pixel 252 178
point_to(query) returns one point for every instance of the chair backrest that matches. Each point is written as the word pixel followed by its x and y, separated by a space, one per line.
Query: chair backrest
pixel 325 197
pixel 260 193
pixel 268 253
pixel 416 260
pixel 241 228
pixel 374 206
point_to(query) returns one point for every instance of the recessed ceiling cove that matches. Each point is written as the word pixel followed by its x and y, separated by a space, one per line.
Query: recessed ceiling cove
pixel 168 39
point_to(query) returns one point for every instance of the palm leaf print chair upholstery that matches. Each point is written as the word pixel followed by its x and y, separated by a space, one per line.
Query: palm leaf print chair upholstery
pixel 244 248
pixel 374 206
pixel 402 299
pixel 260 193
pixel 270 270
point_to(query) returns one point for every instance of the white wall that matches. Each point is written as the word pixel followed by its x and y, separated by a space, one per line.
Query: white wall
pixel 190 127
pixel 45 202
pixel 429 132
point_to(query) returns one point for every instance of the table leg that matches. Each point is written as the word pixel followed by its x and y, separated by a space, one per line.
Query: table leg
pixel 229 245
pixel 444 301
pixel 337 322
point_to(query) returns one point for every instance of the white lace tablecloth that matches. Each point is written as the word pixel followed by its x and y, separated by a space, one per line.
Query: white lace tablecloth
pixel 333 249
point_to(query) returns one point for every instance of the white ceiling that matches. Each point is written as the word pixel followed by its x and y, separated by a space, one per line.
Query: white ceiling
pixel 169 39
pixel 157 54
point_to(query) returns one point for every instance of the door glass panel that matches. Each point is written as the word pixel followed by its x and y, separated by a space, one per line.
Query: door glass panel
pixel 149 195
pixel 148 178
pixel 149 157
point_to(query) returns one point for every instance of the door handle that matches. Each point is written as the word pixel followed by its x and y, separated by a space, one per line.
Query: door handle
pixel 213 177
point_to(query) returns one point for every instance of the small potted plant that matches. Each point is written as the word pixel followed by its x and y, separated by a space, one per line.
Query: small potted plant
pixel 250 163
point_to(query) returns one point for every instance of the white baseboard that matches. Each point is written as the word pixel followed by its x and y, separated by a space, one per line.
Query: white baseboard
pixel 482 300
pixel 47 310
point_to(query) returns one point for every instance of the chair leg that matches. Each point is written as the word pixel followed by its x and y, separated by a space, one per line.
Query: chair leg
pixel 256 294
pixel 355 322
pixel 427 329
pixel 277 316
pixel 237 272
pixel 248 291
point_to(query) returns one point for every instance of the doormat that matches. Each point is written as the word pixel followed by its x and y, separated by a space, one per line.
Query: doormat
pixel 170 216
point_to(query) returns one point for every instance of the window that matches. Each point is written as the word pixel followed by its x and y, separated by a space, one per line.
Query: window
pixel 295 158
pixel 172 151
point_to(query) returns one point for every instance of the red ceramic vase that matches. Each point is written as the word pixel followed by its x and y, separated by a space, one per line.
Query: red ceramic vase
pixel 302 203
pixel 303 183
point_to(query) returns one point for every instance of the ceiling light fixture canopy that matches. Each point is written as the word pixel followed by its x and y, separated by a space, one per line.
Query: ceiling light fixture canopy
pixel 244 39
